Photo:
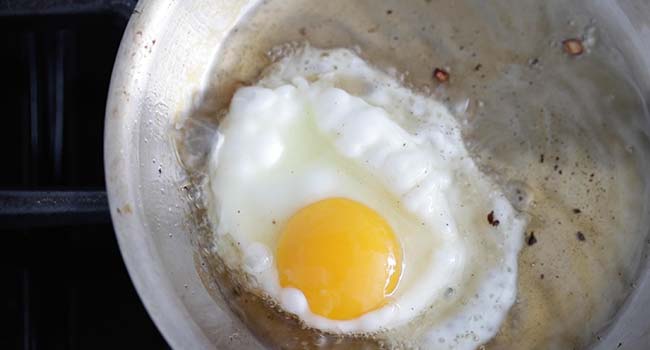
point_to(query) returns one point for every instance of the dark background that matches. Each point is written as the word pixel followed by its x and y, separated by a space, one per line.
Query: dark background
pixel 64 285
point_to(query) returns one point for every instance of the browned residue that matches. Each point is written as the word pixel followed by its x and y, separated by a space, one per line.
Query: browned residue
pixel 573 47
pixel 441 75
pixel 126 209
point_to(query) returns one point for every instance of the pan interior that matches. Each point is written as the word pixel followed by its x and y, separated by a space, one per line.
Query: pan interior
pixel 565 136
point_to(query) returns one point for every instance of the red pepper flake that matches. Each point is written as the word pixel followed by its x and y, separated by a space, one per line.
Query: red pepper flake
pixel 573 47
pixel 441 75
pixel 491 220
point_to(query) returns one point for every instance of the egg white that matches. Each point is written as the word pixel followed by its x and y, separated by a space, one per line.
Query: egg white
pixel 323 124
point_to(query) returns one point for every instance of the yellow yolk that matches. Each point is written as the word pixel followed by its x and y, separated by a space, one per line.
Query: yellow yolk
pixel 342 256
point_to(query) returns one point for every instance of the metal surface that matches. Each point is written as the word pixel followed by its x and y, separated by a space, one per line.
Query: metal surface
pixel 26 209
pixel 165 63
pixel 50 7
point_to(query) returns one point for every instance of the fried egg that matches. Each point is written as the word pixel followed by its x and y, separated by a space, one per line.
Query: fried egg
pixel 352 202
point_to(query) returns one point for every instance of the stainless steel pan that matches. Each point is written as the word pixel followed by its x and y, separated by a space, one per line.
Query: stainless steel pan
pixel 175 53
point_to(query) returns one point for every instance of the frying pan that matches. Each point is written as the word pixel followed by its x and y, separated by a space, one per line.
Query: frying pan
pixel 179 63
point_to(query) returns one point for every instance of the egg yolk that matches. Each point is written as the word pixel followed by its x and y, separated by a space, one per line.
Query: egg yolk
pixel 342 255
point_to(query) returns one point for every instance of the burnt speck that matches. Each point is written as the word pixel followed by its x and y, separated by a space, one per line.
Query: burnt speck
pixel 491 220
pixel 441 75
pixel 533 62
pixel 573 47
pixel 531 239
pixel 619 345
pixel 273 222
pixel 126 209
pixel 302 31
pixel 541 276
pixel 577 211
pixel 541 158
pixel 478 67
pixel 580 236
pixel 389 12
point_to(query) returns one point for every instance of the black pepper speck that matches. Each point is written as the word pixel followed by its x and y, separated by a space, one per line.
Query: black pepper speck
pixel 491 220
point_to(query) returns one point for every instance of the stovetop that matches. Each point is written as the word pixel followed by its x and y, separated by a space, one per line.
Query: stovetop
pixel 65 284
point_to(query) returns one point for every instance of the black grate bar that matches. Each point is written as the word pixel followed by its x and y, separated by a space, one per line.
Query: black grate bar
pixel 28 209
pixel 56 70
pixel 123 8
pixel 34 149
pixel 27 325
pixel 57 81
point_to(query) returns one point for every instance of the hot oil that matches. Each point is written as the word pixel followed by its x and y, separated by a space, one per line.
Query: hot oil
pixel 581 158
pixel 561 133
